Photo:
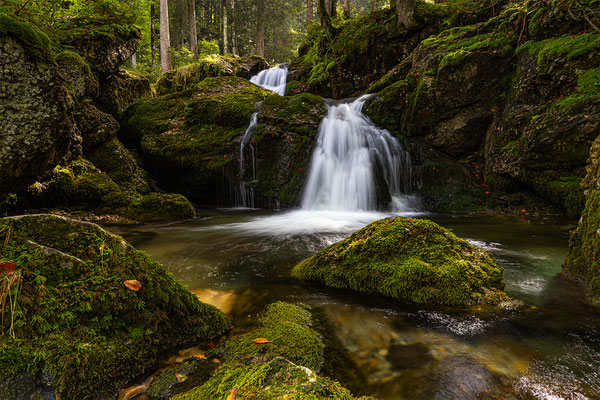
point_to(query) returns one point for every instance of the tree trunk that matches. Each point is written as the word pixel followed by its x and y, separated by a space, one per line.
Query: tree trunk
pixel 225 41
pixel 346 8
pixel 309 12
pixel 165 40
pixel 405 13
pixel 193 32
pixel 134 60
pixel 260 28
pixel 152 36
pixel 333 8
pixel 325 20
pixel 233 35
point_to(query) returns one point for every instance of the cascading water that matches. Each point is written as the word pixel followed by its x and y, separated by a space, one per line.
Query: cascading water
pixel 274 78
pixel 354 163
pixel 244 194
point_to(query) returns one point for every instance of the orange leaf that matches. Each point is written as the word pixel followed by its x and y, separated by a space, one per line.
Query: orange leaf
pixel 180 377
pixel 199 356
pixel 211 344
pixel 133 284
pixel 232 393
pixel 261 341
pixel 8 267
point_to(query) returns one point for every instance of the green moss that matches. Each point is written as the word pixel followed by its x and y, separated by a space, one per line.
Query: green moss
pixel 409 260
pixel 160 206
pixel 30 36
pixel 75 317
pixel 589 82
pixel 570 47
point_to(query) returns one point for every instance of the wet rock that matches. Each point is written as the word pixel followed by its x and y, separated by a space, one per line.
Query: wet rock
pixel 37 123
pixel 120 90
pixel 414 261
pixel 79 322
pixel 408 356
pixel 181 378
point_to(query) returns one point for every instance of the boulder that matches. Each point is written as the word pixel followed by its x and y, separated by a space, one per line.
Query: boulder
pixel 77 74
pixel 94 313
pixel 410 260
pixel 120 90
pixel 107 47
pixel 96 127
pixel 35 110
pixel 210 66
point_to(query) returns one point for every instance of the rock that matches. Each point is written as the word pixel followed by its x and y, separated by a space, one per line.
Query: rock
pixel 414 261
pixel 581 262
pixel 106 47
pixel 189 140
pixel 78 320
pixel 77 74
pixel 120 90
pixel 35 110
pixel 96 127
pixel 210 66
pixel 195 370
pixel 284 367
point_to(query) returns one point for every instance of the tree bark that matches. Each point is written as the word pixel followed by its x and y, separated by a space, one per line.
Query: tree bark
pixel 152 36
pixel 405 13
pixel 233 35
pixel 325 20
pixel 333 8
pixel 134 60
pixel 165 40
pixel 346 8
pixel 225 39
pixel 193 31
pixel 309 12
pixel 260 28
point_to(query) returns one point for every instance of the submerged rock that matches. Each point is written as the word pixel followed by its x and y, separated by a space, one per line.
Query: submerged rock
pixel 410 260
pixel 285 366
pixel 36 112
pixel 80 332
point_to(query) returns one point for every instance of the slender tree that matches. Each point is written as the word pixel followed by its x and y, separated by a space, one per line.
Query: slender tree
pixel 165 40
pixel 193 32
pixel 225 41
pixel 332 8
pixel 405 13
pixel 152 35
pixel 309 12
pixel 260 28
pixel 325 20
pixel 346 8
pixel 134 60
pixel 233 35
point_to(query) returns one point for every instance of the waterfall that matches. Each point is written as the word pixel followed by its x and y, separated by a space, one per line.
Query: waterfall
pixel 274 78
pixel 355 164
pixel 244 194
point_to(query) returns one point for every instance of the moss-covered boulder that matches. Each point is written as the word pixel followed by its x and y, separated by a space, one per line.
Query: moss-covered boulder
pixel 77 74
pixel 95 126
pixel 35 110
pixel 285 366
pixel 80 329
pixel 210 66
pixel 410 260
pixel 583 259
pixel 189 140
pixel 120 90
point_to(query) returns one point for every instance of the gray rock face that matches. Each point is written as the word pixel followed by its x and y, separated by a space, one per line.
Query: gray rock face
pixel 96 127
pixel 121 90
pixel 36 128
pixel 77 75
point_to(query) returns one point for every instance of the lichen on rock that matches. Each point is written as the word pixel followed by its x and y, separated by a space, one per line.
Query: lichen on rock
pixel 410 260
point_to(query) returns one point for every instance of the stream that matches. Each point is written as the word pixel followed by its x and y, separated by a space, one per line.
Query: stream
pixel 548 348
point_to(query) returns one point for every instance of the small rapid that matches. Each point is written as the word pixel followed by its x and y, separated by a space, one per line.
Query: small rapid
pixel 244 193
pixel 274 79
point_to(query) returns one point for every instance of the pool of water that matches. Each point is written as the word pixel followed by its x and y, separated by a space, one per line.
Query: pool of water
pixel 549 347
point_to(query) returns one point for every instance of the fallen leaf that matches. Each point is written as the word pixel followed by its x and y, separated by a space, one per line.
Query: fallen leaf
pixel 180 377
pixel 200 356
pixel 211 344
pixel 261 341
pixel 133 284
pixel 8 267
pixel 232 393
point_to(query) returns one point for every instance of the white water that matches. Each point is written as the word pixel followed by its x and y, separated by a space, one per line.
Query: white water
pixel 352 156
pixel 244 193
pixel 274 79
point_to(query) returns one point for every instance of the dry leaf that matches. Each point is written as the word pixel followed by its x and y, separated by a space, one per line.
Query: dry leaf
pixel 232 393
pixel 8 267
pixel 211 344
pixel 133 284
pixel 261 341
pixel 180 377
pixel 199 356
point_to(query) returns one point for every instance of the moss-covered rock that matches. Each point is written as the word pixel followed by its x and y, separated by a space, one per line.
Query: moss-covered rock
pixel 95 126
pixel 120 90
pixel 210 66
pixel 410 260
pixel 583 259
pixel 36 112
pixel 284 367
pixel 77 74
pixel 78 326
